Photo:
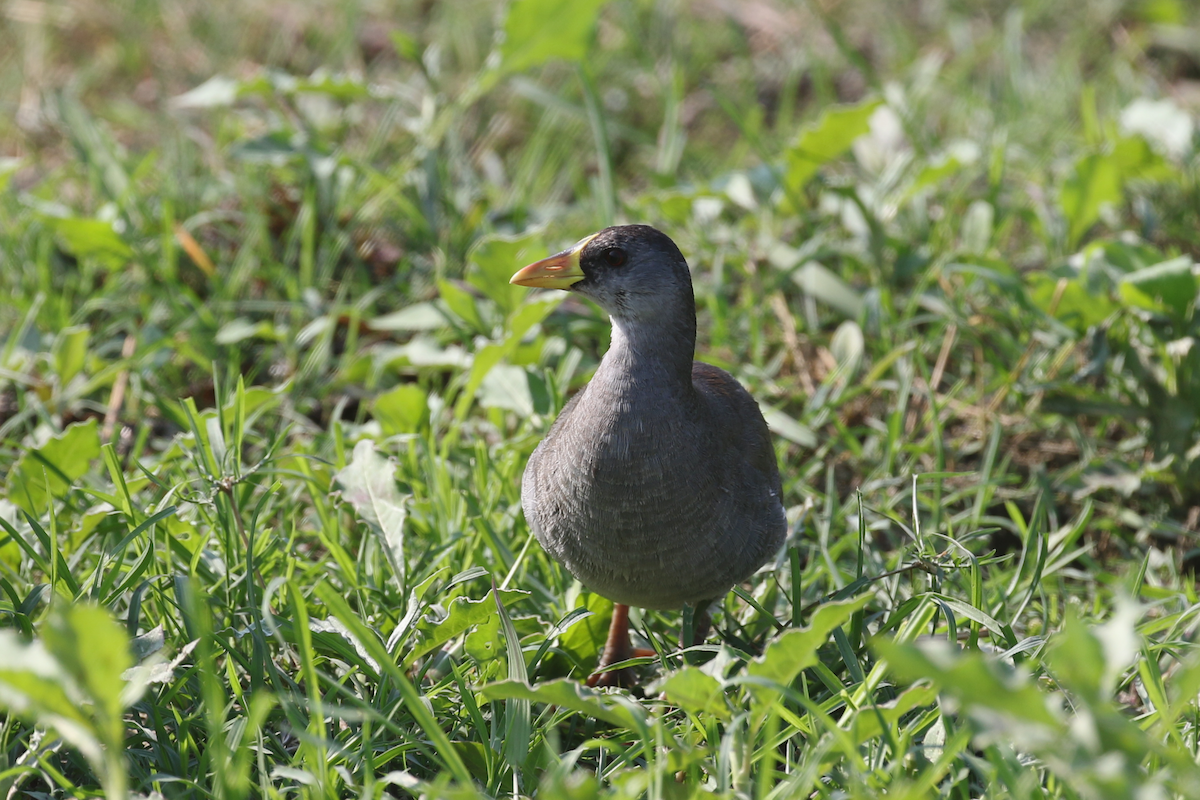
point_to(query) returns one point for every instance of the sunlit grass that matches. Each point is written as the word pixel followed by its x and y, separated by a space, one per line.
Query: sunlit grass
pixel 266 397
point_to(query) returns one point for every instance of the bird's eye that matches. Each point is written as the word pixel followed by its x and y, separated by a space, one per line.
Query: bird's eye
pixel 614 256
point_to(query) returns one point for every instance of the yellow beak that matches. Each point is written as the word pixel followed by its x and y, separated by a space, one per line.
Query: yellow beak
pixel 559 271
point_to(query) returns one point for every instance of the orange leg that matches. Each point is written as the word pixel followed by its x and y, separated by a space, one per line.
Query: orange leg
pixel 618 648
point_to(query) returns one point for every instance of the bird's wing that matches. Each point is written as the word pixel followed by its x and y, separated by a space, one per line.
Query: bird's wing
pixel 738 417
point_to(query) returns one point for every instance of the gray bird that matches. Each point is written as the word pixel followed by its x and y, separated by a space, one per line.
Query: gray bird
pixel 657 485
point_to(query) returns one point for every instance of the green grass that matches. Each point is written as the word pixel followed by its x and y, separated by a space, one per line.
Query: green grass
pixel 266 395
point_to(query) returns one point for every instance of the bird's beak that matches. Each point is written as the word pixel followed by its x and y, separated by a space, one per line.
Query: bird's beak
pixel 559 271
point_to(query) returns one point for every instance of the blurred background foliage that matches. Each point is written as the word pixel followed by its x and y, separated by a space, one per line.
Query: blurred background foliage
pixel 949 246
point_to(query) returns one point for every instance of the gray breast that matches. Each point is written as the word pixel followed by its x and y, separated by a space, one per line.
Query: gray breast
pixel 648 499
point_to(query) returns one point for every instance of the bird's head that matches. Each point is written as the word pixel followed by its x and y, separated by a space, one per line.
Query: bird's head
pixel 634 272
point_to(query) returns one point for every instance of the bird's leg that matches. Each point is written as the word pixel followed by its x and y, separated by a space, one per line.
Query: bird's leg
pixel 618 648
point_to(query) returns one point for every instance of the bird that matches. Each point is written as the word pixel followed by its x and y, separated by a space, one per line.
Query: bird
pixel 657 486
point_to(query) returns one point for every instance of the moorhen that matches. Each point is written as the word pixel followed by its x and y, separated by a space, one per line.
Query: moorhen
pixel 657 485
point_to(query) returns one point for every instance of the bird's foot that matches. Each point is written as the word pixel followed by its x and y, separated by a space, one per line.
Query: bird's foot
pixel 618 677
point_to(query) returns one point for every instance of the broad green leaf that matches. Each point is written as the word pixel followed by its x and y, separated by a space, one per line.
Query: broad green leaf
pixel 36 687
pixel 93 238
pixel 584 640
pixel 696 692
pixel 417 317
pixel 566 693
pixel 217 91
pixel 406 45
pixel 788 427
pixel 240 329
pixel 1094 183
pixel 404 409
pixel 824 285
pixel 8 168
pixel 147 644
pixel 483 643
pixel 461 613
pixel 474 754
pixel 826 140
pixel 530 313
pixel 868 723
pixel 1185 685
pixel 519 323
pixel 220 91
pixel 1130 255
pixel 937 169
pixel 57 463
pixel 94 650
pixel 1171 284
pixel 330 635
pixel 71 681
pixel 1139 162
pixel 1163 12
pixel 368 484
pixel 185 534
pixel 461 304
pixel 339 86
pixel 485 359
pixel 972 678
pixel 274 83
pixel 425 352
pixel 538 30
pixel 507 387
pixel 796 650
pixel 70 351
pixel 416 597
pixel 847 347
pixel 977 227
pixel 494 260
pixel 1077 306
pixel 1098 180
pixel 1089 661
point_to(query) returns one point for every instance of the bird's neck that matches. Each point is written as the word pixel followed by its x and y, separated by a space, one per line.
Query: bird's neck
pixel 648 352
